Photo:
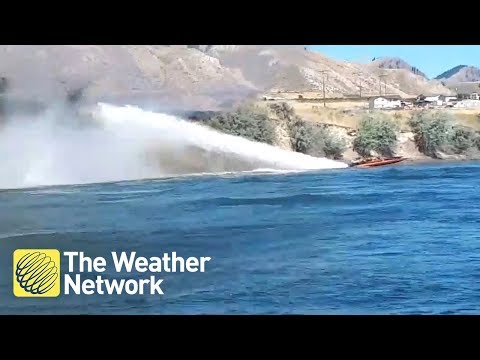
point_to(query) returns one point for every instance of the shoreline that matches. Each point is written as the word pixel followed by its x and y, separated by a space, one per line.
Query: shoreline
pixel 429 161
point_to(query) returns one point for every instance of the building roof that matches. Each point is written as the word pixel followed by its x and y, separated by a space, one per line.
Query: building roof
pixel 387 97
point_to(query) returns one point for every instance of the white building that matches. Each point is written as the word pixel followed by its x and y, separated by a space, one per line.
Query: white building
pixel 383 103
pixel 468 103
pixel 474 96
pixel 435 100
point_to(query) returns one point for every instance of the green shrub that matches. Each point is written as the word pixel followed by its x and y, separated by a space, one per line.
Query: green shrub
pixel 249 122
pixel 304 138
pixel 334 145
pixel 437 132
pixel 462 139
pixel 477 140
pixel 283 111
pixel 307 137
pixel 376 132
pixel 432 131
pixel 253 123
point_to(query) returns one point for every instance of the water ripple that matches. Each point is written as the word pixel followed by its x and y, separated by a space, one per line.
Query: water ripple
pixel 399 240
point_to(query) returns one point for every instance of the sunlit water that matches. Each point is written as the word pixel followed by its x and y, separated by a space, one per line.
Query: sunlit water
pixel 392 240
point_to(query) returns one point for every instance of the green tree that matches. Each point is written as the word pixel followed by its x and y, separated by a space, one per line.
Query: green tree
pixel 462 139
pixel 376 132
pixel 477 140
pixel 307 137
pixel 432 131
pixel 249 122
pixel 437 132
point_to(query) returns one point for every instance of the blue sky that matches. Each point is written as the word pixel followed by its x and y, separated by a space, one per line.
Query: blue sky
pixel 431 59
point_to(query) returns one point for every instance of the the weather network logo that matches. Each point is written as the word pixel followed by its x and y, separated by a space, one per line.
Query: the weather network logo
pixel 36 273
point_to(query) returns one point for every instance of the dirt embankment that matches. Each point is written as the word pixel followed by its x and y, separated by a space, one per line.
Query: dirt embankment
pixel 343 118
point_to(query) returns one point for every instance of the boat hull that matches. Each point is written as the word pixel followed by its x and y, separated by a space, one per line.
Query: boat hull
pixel 376 163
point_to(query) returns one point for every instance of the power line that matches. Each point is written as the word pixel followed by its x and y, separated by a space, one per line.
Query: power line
pixel 380 83
pixel 359 82
pixel 324 74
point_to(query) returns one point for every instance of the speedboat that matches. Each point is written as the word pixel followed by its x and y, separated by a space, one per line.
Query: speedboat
pixel 377 162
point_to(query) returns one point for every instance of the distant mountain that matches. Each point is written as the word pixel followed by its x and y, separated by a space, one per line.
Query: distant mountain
pixel 449 73
pixel 460 73
pixel 292 68
pixel 193 77
pixel 396 63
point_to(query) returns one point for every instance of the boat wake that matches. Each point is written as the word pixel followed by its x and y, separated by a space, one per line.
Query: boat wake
pixel 128 143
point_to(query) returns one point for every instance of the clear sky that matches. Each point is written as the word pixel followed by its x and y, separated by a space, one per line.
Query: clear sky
pixel 430 59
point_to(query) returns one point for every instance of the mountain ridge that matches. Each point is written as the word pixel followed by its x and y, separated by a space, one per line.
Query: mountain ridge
pixel 388 62
pixel 205 77
pixel 460 73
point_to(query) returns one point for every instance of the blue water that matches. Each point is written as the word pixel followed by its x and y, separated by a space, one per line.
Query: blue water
pixel 392 240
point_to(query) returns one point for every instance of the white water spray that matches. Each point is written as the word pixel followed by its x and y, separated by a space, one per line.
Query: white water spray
pixel 131 143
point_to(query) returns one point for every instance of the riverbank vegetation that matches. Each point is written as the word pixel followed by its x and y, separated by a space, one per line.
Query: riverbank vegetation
pixel 254 123
pixel 250 122
pixel 435 134
pixel 307 137
pixel 377 133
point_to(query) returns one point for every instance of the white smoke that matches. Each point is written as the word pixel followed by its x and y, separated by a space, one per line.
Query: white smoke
pixel 130 143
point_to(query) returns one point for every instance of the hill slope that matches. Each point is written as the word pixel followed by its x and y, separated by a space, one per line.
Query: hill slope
pixel 281 68
pixel 189 76
pixel 175 76
pixel 460 73
pixel 397 63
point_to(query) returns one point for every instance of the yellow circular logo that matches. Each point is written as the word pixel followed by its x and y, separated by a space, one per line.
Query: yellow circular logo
pixel 36 273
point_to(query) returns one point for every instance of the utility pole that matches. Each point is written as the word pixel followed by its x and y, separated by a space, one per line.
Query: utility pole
pixel 324 74
pixel 359 83
pixel 380 83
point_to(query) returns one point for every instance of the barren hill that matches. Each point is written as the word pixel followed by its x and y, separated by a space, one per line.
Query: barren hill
pixel 464 87
pixel 412 84
pixel 283 68
pixel 190 76
pixel 460 73
pixel 396 63
pixel 176 77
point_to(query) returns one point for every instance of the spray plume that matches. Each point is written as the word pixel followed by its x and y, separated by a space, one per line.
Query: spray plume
pixel 128 143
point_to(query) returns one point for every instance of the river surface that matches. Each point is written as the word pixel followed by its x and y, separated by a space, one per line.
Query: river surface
pixel 393 240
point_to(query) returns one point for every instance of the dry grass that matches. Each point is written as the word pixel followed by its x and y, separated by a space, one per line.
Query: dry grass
pixel 348 113
pixel 467 117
